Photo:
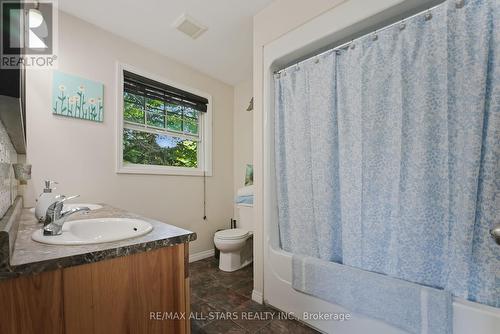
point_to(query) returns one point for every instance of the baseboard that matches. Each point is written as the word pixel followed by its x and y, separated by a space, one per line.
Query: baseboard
pixel 257 297
pixel 201 255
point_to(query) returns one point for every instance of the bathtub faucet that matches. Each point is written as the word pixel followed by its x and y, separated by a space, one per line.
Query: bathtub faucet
pixel 495 233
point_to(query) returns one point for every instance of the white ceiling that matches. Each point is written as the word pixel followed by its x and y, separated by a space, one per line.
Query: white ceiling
pixel 223 52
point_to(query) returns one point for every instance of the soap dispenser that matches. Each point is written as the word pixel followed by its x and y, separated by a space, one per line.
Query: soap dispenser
pixel 45 200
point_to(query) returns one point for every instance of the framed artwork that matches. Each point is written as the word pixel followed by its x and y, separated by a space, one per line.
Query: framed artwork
pixel 249 175
pixel 77 97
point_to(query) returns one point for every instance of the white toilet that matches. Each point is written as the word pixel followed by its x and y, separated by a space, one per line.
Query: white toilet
pixel 235 245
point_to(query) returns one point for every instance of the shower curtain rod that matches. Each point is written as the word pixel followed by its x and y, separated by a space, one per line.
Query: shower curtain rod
pixel 458 3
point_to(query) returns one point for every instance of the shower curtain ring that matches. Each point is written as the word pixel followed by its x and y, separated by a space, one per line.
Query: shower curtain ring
pixel 353 46
pixel 428 15
pixel 402 25
pixel 459 3
pixel 375 36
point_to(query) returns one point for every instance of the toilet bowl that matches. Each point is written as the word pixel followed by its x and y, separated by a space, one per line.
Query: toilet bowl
pixel 236 245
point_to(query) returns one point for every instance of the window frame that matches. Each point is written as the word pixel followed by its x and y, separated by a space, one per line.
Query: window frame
pixel 205 131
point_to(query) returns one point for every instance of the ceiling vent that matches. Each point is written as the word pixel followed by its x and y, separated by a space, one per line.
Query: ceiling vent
pixel 189 26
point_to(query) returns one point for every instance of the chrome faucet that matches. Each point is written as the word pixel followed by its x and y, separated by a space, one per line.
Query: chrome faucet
pixel 55 217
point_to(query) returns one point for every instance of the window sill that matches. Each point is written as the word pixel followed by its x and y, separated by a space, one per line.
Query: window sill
pixel 160 170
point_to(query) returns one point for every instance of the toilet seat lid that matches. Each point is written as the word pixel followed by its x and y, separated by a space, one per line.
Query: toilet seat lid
pixel 231 234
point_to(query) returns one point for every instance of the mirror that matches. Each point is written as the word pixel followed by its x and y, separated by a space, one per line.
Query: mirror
pixel 12 106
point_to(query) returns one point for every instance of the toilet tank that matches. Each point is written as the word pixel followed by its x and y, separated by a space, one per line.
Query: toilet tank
pixel 245 213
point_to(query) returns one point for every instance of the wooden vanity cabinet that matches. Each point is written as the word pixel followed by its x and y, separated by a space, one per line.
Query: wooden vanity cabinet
pixel 142 293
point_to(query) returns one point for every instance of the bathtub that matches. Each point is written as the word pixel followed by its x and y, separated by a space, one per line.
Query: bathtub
pixel 468 317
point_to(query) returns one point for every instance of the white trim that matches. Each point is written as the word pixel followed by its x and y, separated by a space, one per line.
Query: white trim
pixel 205 128
pixel 257 297
pixel 160 131
pixel 201 255
pixel 159 170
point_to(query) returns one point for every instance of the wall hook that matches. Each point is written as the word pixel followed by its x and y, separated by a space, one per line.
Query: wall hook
pixel 250 104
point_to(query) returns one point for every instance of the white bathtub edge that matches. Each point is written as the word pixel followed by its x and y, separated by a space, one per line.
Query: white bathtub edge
pixel 468 317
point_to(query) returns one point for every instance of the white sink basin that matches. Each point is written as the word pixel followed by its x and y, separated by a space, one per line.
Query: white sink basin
pixel 95 231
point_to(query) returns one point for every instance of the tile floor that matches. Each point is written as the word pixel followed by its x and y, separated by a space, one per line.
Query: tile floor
pixel 221 303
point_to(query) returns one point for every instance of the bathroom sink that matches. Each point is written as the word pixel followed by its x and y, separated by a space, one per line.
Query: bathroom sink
pixel 95 231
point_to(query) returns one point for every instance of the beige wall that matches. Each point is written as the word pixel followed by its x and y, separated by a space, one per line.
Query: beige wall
pixel 81 155
pixel 243 133
pixel 274 21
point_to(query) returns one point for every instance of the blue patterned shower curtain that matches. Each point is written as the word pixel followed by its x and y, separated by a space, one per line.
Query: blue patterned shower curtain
pixel 388 153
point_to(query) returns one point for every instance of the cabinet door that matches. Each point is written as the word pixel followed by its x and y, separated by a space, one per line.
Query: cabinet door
pixel 120 295
pixel 32 304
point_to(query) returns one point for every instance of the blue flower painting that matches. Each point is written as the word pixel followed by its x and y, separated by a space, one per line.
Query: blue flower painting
pixel 76 97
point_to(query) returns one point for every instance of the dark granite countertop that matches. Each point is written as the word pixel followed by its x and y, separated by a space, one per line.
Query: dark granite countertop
pixel 29 256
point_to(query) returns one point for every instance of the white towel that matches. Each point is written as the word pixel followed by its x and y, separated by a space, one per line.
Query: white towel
pixel 245 191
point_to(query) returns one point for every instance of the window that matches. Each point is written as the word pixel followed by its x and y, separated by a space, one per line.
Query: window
pixel 163 129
